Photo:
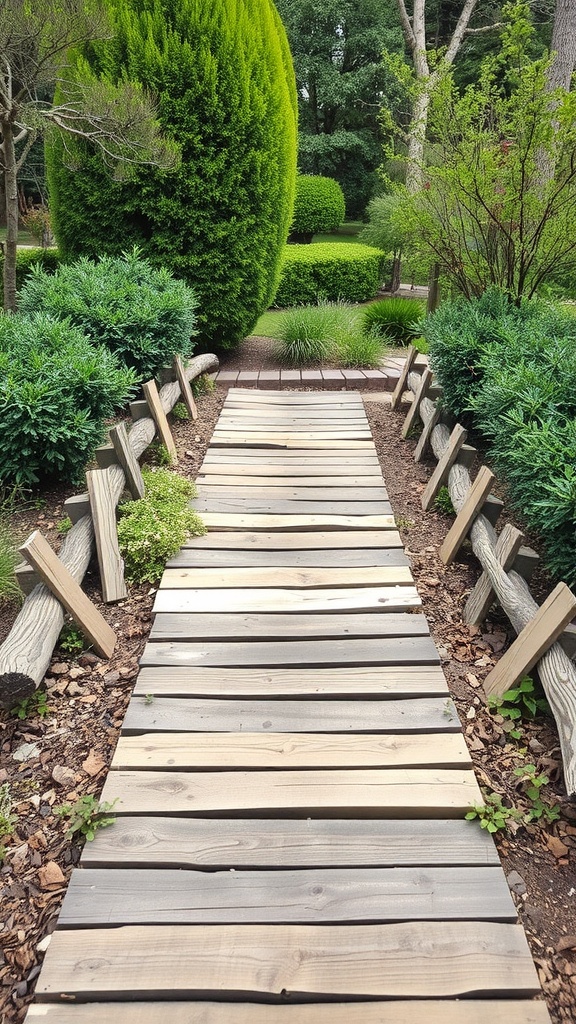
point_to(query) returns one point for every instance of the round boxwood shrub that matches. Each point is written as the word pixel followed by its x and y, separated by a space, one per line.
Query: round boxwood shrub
pixel 329 270
pixel 223 78
pixel 142 314
pixel 56 390
pixel 319 206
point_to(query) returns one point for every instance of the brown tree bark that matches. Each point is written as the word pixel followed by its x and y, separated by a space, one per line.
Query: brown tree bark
pixel 563 45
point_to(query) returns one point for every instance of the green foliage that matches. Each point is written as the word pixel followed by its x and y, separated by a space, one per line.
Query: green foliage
pixel 26 259
pixel 141 314
pixel 157 454
pixel 7 818
pixel 318 206
pixel 64 526
pixel 224 81
pixel 72 640
pixel 35 704
pixel 307 334
pixel 398 319
pixel 493 815
pixel 86 816
pixel 180 412
pixel 443 502
pixel 532 783
pixel 153 528
pixel 56 390
pixel 520 702
pixel 203 385
pixel 347 271
pixel 9 559
pixel 357 348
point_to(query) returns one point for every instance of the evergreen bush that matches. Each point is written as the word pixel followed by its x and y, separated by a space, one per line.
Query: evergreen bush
pixel 56 390
pixel 143 315
pixel 330 270
pixel 223 77
pixel 319 206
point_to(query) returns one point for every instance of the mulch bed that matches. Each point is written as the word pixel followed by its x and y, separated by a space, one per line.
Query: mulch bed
pixel 51 760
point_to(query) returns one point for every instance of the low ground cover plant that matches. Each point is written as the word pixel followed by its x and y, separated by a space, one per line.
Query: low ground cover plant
pixel 140 313
pixel 319 206
pixel 397 319
pixel 350 272
pixel 56 391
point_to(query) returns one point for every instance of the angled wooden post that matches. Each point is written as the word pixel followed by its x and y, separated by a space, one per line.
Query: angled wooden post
pixel 401 385
pixel 413 411
pixel 39 554
pixel 159 416
pixel 440 474
pixel 482 596
pixel 424 439
pixel 475 498
pixel 534 640
pixel 128 460
pixel 103 509
pixel 187 395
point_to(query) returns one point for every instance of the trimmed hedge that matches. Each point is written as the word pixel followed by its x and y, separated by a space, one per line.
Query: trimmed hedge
pixel 319 206
pixel 26 259
pixel 329 270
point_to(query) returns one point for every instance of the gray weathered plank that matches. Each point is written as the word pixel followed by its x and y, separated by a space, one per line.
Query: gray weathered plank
pixel 312 442
pixel 273 478
pixel 103 508
pixel 298 540
pixel 203 626
pixel 276 600
pixel 342 476
pixel 266 490
pixel 290 577
pixel 190 557
pixel 271 506
pixel 328 459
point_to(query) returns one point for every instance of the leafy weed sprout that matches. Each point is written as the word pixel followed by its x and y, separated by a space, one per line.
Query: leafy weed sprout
pixel 520 702
pixel 493 815
pixel 532 783
pixel 35 704
pixel 64 526
pixel 443 502
pixel 86 816
pixel 72 640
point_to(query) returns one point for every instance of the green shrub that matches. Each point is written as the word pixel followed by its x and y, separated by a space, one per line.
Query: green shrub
pixel 141 314
pixel 307 334
pixel 319 206
pixel 26 259
pixel 223 77
pixel 153 528
pixel 330 270
pixel 398 319
pixel 358 349
pixel 203 385
pixel 56 390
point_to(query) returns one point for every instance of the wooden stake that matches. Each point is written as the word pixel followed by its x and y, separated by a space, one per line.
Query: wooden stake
pixel 482 596
pixel 534 640
pixel 440 474
pixel 412 415
pixel 401 385
pixel 187 395
pixel 40 555
pixel 128 460
pixel 104 519
pixel 474 501
pixel 424 438
pixel 159 416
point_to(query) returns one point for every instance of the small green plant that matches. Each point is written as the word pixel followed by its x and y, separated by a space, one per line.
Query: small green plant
pixel 360 349
pixel 159 455
pixel 396 319
pixel 72 640
pixel 493 815
pixel 35 704
pixel 86 816
pixel 152 529
pixel 9 558
pixel 64 526
pixel 308 334
pixel 149 698
pixel 7 818
pixel 532 783
pixel 404 523
pixel 203 385
pixel 443 502
pixel 180 412
pixel 520 702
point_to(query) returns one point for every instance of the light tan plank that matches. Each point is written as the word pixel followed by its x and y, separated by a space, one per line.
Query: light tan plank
pixel 286 751
pixel 322 414
pixel 128 460
pixel 296 541
pixel 246 503
pixel 277 600
pixel 385 793
pixel 328 459
pixel 160 419
pixel 473 503
pixel 203 626
pixel 55 575
pixel 293 577
pixel 185 389
pixel 397 681
pixel 263 489
pixel 324 559
pixel 403 378
pixel 482 596
pixel 311 521
pixel 414 411
pixel 321 441
pixel 440 474
pixel 416 959
pixel 272 480
pixel 345 476
pixel 103 510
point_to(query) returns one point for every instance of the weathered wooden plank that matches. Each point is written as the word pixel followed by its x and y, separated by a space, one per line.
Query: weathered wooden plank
pixel 411 650
pixel 285 751
pixel 258 843
pixel 460 527
pixel 402 384
pixel 397 681
pixel 103 509
pixel 99 897
pixel 252 396
pixel 328 459
pixel 482 596
pixel 536 638
pixel 269 479
pixel 314 441
pixel 252 506
pixel 159 416
pixel 287 576
pixel 187 714
pixel 462 1011
pixel 276 600
pixel 265 490
pixel 424 439
pixel 285 425
pixel 298 540
pixel 324 414
pixel 345 476
pixel 414 411
pixel 327 558
pixel 55 575
pixel 287 627
pixel 185 389
pixel 414 959
pixel 441 471
pixel 127 459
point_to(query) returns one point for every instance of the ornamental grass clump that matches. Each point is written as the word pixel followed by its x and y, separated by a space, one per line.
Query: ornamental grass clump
pixel 153 528
pixel 308 333
pixel 396 319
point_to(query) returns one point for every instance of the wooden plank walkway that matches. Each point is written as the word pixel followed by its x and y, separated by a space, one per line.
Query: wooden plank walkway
pixel 291 777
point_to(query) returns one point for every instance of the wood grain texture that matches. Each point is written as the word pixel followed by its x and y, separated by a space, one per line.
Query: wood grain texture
pixel 253 521
pixel 127 460
pixel 335 440
pixel 413 413
pixel 415 959
pixel 278 506
pixel 277 471
pixel 308 493
pixel 296 540
pixel 275 478
pixel 402 383
pixel 330 459
pixel 482 595
pixel 103 507
pixel 99 897
pixel 185 389
pixel 173 714
pixel 396 681
pixel 289 577
pixel 288 627
pixel 463 1011
pixel 419 650
pixel 258 843
pixel 474 501
pixel 446 461
pixel 190 557
pixel 285 751
pixel 159 416
pixel 276 600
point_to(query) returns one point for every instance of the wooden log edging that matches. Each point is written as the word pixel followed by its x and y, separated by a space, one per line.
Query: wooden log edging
pixel 556 671
pixel 25 654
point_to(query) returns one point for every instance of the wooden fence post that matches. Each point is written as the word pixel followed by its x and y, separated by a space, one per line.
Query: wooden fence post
pixel 401 385
pixel 187 394
pixel 482 596
pixel 440 474
pixel 474 500
pixel 104 518
pixel 128 460
pixel 160 419
pixel 425 382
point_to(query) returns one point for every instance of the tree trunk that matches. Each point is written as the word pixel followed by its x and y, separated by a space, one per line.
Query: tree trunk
pixel 11 198
pixel 418 126
pixel 563 45
pixel 395 278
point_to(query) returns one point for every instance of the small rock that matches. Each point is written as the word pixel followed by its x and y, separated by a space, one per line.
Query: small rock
pixel 536 747
pixel 111 678
pixel 50 875
pixel 74 689
pixel 21 989
pixel 516 883
pixel 88 659
pixel 26 751
pixel 63 775
pixel 566 942
pixel 61 669
pixel 76 672
pixel 556 846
